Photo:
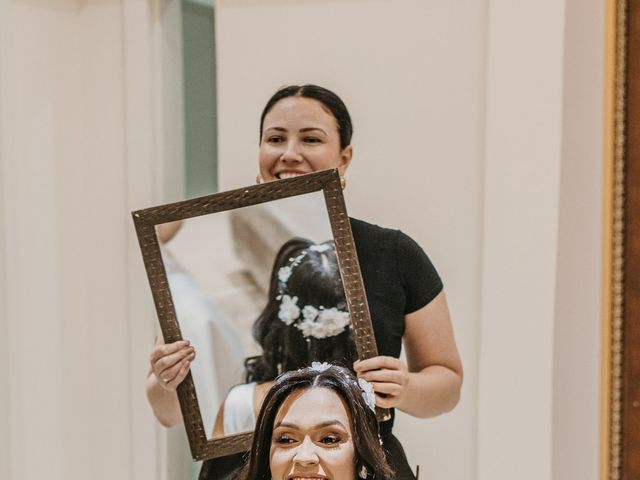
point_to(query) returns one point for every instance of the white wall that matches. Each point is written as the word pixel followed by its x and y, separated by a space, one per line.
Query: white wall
pixel 465 115
pixel 576 358
pixel 539 362
pixel 480 118
pixel 523 159
pixel 77 95
pixel 412 74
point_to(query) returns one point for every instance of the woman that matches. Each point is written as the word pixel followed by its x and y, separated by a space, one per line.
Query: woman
pixel 317 422
pixel 305 129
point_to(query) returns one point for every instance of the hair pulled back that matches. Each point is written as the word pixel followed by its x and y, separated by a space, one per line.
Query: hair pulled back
pixel 326 97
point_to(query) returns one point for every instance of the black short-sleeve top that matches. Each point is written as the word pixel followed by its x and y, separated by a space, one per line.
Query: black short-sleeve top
pixel 398 279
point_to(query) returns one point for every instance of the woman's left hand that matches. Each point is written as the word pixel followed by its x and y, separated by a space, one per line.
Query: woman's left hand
pixel 388 376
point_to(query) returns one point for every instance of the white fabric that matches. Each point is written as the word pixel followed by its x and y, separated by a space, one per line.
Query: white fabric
pixel 239 413
pixel 219 361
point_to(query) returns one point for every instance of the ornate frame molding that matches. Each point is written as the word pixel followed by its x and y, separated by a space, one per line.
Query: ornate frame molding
pixel 328 182
pixel 620 426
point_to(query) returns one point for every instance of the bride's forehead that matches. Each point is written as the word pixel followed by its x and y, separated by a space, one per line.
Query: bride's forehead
pixel 312 406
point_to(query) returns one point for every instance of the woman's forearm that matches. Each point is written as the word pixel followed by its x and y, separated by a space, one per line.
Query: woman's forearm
pixel 164 403
pixel 431 392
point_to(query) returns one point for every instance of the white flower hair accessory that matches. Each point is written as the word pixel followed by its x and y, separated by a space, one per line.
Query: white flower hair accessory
pixel 313 322
pixel 284 273
pixel 289 310
pixel 367 393
pixel 323 323
pixel 320 367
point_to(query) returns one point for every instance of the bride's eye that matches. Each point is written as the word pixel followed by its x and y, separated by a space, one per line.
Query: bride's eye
pixel 330 439
pixel 283 439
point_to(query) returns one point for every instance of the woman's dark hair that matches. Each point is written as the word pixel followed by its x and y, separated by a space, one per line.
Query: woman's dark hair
pixel 315 280
pixel 326 97
pixel 364 426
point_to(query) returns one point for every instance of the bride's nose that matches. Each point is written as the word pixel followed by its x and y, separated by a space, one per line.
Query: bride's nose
pixel 305 454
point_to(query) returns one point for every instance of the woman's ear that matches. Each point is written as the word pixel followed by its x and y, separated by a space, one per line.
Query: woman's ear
pixel 345 159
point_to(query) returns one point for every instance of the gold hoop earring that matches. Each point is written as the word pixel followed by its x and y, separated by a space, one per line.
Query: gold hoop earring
pixel 259 179
pixel 343 182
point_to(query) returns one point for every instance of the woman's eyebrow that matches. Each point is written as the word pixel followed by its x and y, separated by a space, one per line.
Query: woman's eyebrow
pixel 279 129
pixel 310 129
pixel 324 424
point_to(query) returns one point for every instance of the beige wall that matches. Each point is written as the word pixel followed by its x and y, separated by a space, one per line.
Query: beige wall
pixel 576 353
pixel 412 74
pixel 539 361
pixel 465 117
pixel 477 132
pixel 76 156
pixel 523 161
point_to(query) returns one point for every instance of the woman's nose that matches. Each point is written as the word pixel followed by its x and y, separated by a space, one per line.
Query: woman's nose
pixel 306 453
pixel 291 153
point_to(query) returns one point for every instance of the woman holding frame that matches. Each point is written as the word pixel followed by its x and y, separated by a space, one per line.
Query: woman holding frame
pixel 305 129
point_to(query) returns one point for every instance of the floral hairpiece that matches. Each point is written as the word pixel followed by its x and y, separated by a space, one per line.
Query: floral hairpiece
pixel 285 272
pixel 316 322
pixel 311 321
pixel 320 367
pixel 368 394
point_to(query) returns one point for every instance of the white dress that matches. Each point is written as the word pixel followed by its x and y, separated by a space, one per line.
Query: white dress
pixel 239 414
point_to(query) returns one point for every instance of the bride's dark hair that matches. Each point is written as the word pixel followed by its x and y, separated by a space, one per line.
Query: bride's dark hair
pixel 368 452
pixel 316 282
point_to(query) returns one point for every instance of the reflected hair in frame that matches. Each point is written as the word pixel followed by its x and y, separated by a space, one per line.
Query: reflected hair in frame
pixel 316 282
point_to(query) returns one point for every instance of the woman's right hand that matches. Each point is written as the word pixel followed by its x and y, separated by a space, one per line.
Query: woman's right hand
pixel 170 363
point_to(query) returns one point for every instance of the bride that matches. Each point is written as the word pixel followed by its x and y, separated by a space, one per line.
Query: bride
pixel 318 423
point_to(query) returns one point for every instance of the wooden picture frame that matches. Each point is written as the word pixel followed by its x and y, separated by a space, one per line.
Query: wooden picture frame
pixel 146 220
pixel 620 399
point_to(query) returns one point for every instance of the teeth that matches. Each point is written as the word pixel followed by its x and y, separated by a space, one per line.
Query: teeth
pixel 289 175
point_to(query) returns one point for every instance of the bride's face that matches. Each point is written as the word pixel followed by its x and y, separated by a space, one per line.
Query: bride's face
pixel 300 135
pixel 312 438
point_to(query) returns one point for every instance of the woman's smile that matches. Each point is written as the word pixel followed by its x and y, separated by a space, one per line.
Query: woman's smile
pixel 299 477
pixel 300 136
pixel 289 174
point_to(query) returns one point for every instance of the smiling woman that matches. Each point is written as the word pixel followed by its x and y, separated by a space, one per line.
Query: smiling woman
pixel 317 423
pixel 306 129
pixel 303 130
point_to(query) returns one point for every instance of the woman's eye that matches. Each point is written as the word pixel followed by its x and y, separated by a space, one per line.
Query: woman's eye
pixel 312 140
pixel 330 439
pixel 275 139
pixel 284 439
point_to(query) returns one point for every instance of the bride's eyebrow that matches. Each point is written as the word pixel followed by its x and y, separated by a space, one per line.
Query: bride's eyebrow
pixel 327 423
